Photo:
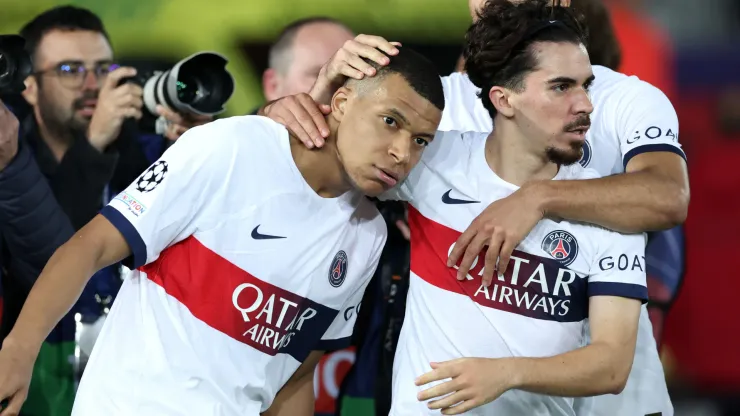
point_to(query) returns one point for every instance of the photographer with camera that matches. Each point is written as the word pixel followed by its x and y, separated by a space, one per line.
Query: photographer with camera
pixel 83 124
pixel 82 130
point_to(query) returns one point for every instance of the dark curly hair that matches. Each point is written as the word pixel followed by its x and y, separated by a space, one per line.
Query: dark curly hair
pixel 498 48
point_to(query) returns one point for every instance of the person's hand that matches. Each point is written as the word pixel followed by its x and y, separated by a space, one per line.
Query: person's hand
pixel 348 62
pixel 473 383
pixel 177 124
pixel 16 367
pixel 302 116
pixel 115 104
pixel 501 227
pixel 8 136
pixel 403 227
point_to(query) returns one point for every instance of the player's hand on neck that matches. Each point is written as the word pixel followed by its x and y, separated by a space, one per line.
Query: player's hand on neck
pixel 302 116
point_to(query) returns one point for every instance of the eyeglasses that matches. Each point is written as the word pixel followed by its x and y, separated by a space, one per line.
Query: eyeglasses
pixel 72 74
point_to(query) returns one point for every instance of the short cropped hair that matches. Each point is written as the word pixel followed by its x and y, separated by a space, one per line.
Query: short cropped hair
pixel 498 49
pixel 418 71
pixel 279 55
pixel 66 18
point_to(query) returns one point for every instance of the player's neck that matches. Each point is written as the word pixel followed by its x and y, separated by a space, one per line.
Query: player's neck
pixel 321 168
pixel 512 158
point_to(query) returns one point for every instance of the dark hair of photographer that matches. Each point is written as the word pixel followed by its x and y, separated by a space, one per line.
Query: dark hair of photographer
pixel 500 44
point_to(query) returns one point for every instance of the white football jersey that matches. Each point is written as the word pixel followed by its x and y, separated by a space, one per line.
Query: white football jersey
pixel 630 117
pixel 242 271
pixel 539 308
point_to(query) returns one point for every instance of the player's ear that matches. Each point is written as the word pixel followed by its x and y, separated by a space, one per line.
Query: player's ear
pixel 501 99
pixel 339 103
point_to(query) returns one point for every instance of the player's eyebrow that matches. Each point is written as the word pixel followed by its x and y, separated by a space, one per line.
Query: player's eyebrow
pixel 570 81
pixel 562 80
pixel 396 113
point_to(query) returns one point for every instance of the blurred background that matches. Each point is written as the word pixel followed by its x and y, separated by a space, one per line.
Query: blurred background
pixel 688 48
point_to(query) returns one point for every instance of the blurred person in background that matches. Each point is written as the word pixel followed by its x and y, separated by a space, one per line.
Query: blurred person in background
pixel 82 131
pixel 299 52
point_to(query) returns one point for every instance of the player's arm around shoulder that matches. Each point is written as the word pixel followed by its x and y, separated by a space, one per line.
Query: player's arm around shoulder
pixel 653 193
pixel 296 398
pixel 648 130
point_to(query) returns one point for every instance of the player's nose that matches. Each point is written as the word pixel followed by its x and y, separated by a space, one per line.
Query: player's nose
pixel 582 104
pixel 400 150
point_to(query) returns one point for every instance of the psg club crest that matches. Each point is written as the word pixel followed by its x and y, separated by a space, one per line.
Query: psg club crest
pixel 561 246
pixel 338 270
pixel 152 177
pixel 586 157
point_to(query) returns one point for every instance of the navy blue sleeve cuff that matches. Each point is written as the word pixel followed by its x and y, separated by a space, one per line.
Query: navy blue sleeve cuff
pixel 659 147
pixel 329 345
pixel 624 290
pixel 129 232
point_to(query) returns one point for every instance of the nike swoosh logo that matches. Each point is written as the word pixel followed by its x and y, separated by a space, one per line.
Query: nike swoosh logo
pixel 257 236
pixel 447 199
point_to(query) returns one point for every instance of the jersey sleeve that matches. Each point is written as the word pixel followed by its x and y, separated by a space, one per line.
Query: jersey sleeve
pixel 618 268
pixel 339 333
pixel 646 122
pixel 463 109
pixel 165 204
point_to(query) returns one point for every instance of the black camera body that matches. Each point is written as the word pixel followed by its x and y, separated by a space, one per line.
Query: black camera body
pixel 15 64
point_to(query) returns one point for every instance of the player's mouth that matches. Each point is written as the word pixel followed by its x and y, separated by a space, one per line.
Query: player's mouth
pixel 387 176
pixel 579 132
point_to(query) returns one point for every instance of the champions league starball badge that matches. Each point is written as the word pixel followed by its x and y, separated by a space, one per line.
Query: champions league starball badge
pixel 152 177
pixel 338 270
pixel 561 246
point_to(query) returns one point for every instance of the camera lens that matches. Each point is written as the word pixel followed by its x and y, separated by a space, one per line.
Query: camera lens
pixel 188 90
pixel 198 84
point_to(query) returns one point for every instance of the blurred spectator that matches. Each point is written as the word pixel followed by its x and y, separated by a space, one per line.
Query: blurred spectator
pixel 82 131
pixel 298 54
